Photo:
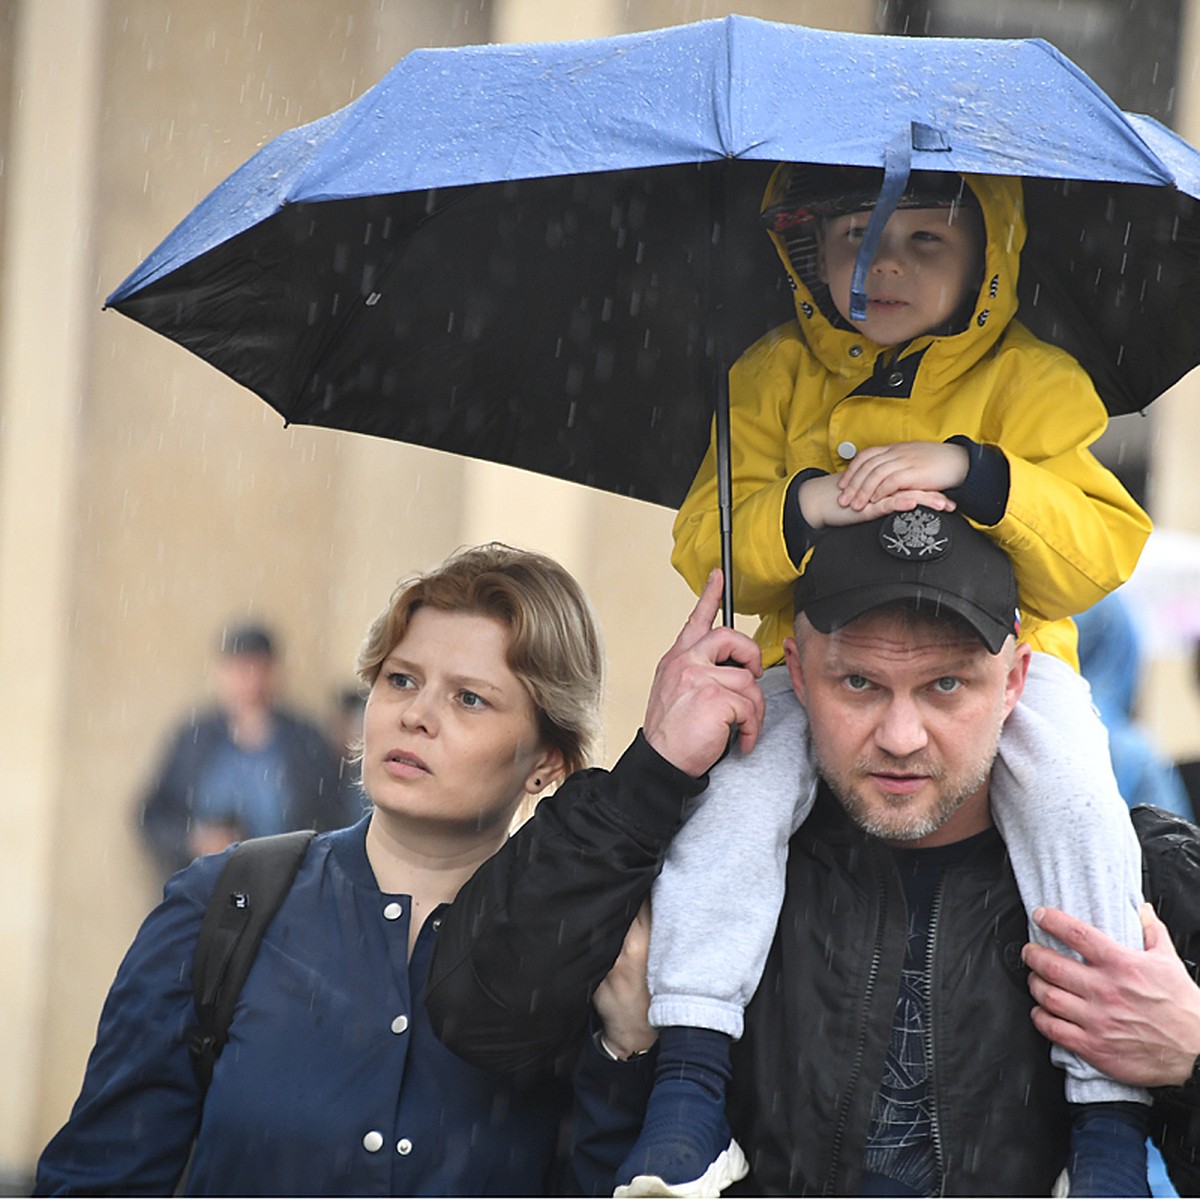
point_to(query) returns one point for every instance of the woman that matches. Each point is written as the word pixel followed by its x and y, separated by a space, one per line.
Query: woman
pixel 485 679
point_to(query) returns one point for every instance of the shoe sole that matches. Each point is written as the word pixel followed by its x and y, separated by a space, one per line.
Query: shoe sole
pixel 728 1167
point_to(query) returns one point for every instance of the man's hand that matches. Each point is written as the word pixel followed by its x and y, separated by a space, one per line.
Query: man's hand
pixel 879 472
pixel 823 503
pixel 1133 1014
pixel 622 1000
pixel 694 698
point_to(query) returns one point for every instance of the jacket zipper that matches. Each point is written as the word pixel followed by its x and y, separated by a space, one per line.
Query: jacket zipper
pixel 860 1049
pixel 934 1128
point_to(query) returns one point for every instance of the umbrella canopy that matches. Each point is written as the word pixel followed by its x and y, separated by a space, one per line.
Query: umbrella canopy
pixel 542 255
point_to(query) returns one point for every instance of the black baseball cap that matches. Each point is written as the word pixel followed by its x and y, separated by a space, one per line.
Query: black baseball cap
pixel 934 560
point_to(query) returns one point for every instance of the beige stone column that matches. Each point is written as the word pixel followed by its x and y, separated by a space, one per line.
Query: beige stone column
pixel 46 302
pixel 1170 702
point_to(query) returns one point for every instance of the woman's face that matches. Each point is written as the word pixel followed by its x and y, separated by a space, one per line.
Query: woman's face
pixel 450 733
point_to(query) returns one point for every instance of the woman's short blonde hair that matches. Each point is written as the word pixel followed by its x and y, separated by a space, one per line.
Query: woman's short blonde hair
pixel 554 648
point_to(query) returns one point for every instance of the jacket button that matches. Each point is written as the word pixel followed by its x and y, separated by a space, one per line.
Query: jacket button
pixel 373 1141
pixel 404 1146
pixel 400 1024
pixel 393 911
pixel 895 379
pixel 856 352
pixel 847 450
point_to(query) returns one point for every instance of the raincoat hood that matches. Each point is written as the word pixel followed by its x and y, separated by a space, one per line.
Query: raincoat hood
pixel 841 348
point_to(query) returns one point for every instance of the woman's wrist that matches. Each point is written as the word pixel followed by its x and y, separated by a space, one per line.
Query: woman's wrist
pixel 619 1050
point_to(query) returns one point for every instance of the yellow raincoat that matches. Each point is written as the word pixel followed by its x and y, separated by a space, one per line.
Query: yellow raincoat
pixel 1071 530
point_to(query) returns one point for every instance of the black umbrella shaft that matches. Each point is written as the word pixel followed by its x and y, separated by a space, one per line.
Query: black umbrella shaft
pixel 718 281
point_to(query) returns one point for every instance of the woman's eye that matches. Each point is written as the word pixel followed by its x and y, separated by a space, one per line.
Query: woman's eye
pixel 472 700
pixel 399 680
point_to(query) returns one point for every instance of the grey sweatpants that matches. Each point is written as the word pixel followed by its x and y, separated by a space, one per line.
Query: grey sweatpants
pixel 1054 799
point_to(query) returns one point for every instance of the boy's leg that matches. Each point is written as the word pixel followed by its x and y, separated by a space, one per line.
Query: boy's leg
pixel 707 954
pixel 1072 846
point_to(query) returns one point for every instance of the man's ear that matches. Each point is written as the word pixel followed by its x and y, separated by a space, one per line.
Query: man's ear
pixel 791 656
pixel 1018 671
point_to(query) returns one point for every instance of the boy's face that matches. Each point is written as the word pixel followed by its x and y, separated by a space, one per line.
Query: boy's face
pixel 922 271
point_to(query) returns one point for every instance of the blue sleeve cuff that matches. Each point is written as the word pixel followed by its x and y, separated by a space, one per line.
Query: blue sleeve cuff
pixel 983 495
pixel 798 534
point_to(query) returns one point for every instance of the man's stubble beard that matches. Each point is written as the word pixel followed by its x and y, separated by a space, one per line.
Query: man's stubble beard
pixel 900 824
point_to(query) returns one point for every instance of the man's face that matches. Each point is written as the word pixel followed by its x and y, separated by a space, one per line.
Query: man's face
pixel 904 718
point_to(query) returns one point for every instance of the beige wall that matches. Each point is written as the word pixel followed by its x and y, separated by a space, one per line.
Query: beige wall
pixel 1170 702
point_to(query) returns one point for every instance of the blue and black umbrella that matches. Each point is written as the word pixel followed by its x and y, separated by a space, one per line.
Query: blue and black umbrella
pixel 546 255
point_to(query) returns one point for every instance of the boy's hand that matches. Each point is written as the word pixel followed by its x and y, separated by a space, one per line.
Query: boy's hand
pixel 882 471
pixel 821 503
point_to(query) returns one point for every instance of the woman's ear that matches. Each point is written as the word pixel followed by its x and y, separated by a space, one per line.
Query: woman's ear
pixel 549 769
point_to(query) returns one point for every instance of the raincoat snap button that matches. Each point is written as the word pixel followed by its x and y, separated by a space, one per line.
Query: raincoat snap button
pixel 400 1024
pixel 404 1146
pixel 847 450
pixel 856 352
pixel 896 378
pixel 393 911
pixel 373 1141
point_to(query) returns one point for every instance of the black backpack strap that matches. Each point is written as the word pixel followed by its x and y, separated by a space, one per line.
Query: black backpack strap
pixel 257 877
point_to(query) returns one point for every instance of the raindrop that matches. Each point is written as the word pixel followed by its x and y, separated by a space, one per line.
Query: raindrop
pixel 373 299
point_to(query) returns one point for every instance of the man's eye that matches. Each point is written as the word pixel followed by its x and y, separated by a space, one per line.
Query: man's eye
pixel 857 683
pixel 947 685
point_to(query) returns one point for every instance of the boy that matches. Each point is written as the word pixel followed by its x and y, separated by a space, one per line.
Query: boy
pixel 936 396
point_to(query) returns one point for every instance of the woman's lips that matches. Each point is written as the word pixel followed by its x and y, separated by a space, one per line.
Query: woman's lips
pixel 406 765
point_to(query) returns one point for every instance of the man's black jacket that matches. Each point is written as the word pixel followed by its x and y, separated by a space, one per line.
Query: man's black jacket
pixel 539 925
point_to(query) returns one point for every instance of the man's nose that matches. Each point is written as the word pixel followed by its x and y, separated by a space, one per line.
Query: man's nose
pixel 901 728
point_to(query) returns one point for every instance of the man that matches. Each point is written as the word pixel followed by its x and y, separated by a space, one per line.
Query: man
pixel 245 767
pixel 889 1048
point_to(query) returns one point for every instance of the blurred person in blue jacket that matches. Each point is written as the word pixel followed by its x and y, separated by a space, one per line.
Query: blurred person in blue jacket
pixel 1110 659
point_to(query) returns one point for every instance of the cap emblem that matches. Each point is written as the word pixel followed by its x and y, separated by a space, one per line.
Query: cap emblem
pixel 916 534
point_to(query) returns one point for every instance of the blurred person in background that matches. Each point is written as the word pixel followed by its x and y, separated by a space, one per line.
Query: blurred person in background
pixel 1111 660
pixel 1189 768
pixel 244 767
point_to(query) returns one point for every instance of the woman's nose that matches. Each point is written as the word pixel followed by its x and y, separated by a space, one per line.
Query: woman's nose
pixel 419 713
